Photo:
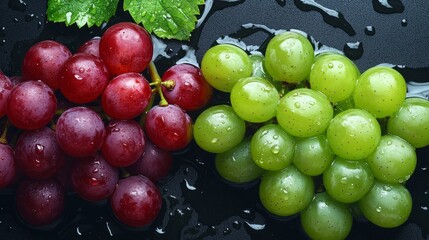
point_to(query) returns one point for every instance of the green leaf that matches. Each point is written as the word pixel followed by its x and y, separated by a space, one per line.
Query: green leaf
pixel 81 12
pixel 172 19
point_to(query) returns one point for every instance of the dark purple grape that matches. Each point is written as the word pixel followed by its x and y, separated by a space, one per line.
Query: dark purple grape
pixel 169 127
pixel 93 178
pixel 136 201
pixel 5 88
pixel 124 143
pixel 44 60
pixel 8 170
pixel 80 132
pixel 83 78
pixel 38 154
pixel 40 203
pixel 31 105
pixel 155 163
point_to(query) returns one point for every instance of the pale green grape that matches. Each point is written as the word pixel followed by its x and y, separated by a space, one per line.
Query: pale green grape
pixel 334 75
pixel 380 90
pixel 236 165
pixel 348 181
pixel 411 122
pixel 288 57
pixel 218 129
pixel 286 192
pixel 272 148
pixel 254 99
pixel 313 155
pixel 387 205
pixel 394 160
pixel 353 134
pixel 326 218
pixel 304 112
pixel 224 64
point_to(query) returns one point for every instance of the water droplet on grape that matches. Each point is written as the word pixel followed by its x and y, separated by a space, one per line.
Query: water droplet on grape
pixel 378 209
pixel 78 77
pixel 39 149
pixel 343 180
pixel 389 143
pixel 227 56
pixel 297 104
pixel 330 65
pixel 275 149
pixel 275 136
pixel 228 129
pixel 214 140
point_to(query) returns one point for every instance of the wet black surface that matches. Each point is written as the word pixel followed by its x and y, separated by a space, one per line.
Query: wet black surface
pixel 198 205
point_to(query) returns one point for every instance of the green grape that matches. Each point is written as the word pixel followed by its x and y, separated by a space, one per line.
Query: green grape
pixel 353 134
pixel 326 219
pixel 236 165
pixel 411 122
pixel 348 181
pixel 304 112
pixel 380 90
pixel 394 160
pixel 218 129
pixel 254 99
pixel 286 192
pixel 288 57
pixel 313 155
pixel 224 64
pixel 334 75
pixel 272 148
pixel 387 205
pixel 258 64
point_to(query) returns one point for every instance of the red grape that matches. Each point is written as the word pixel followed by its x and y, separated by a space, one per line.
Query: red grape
pixel 126 47
pixel 80 132
pixel 83 78
pixel 38 154
pixel 43 61
pixel 136 201
pixel 191 91
pixel 8 170
pixel 93 178
pixel 5 88
pixel 40 203
pixel 31 105
pixel 92 46
pixel 155 163
pixel 169 127
pixel 126 96
pixel 124 143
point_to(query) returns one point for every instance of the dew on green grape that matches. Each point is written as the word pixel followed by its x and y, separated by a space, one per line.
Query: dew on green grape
pixel 343 180
pixel 275 149
pixel 297 105
pixel 214 140
pixel 330 65
pixel 378 209
pixel 275 136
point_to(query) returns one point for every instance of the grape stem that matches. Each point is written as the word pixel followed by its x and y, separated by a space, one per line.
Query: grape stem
pixel 3 137
pixel 157 82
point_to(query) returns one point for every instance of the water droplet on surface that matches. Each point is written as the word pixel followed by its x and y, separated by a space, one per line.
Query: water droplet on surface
pixel 29 17
pixel 17 5
pixel 353 50
pixel 370 30
pixel 404 22
pixel 388 6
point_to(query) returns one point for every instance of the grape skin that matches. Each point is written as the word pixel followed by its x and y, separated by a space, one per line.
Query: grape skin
pixel 8 168
pixel 31 105
pixel 5 89
pixel 224 64
pixel 80 132
pixel 258 93
pixel 218 129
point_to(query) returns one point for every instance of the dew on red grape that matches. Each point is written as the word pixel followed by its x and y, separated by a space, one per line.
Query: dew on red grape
pixel 155 163
pixel 80 132
pixel 126 96
pixel 31 105
pixel 124 143
pixel 38 154
pixel 136 201
pixel 93 178
pixel 191 91
pixel 126 47
pixel 40 203
pixel 169 127
pixel 44 60
pixel 83 78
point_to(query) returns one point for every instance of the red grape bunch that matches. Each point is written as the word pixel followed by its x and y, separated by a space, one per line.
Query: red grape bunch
pixel 87 122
